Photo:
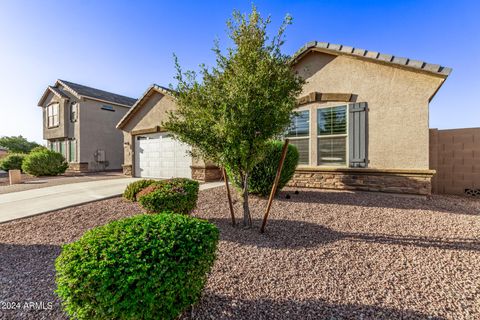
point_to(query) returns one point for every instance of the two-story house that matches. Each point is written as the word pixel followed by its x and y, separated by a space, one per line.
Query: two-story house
pixel 79 122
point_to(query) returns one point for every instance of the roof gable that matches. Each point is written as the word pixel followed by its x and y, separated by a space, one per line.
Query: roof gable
pixel 65 89
pixel 373 56
pixel 140 102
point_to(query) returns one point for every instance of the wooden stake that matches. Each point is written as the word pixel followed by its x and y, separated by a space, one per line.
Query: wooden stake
pixel 275 185
pixel 225 177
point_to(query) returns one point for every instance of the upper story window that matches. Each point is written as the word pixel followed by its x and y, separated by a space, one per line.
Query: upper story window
pixel 73 111
pixel 108 108
pixel 299 135
pixel 53 119
pixel 332 136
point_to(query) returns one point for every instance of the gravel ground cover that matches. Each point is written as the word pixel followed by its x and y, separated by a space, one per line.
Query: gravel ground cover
pixel 325 255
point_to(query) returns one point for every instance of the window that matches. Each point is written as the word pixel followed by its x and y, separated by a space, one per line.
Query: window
pixel 73 111
pixel 62 148
pixel 332 136
pixel 299 135
pixel 72 150
pixel 108 108
pixel 52 115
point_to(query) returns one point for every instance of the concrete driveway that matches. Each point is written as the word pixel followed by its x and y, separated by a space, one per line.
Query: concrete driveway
pixel 31 202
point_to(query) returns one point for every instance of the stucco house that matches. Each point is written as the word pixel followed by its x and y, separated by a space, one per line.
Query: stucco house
pixel 361 123
pixel 79 122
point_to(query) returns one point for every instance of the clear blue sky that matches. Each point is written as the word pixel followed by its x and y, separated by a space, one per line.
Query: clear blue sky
pixel 124 46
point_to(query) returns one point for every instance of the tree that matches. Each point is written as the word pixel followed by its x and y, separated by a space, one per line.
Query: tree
pixel 17 144
pixel 241 103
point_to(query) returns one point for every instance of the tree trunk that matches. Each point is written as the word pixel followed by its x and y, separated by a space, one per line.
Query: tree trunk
pixel 247 220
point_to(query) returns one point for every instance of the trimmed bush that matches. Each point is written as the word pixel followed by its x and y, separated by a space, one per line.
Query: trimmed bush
pixel 44 163
pixel 178 195
pixel 37 149
pixel 144 267
pixel 12 161
pixel 263 174
pixel 133 188
pixel 147 190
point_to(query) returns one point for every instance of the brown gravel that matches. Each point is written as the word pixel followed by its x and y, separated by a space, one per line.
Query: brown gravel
pixel 333 255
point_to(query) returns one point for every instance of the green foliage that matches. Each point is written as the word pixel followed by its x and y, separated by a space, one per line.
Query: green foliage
pixel 240 104
pixel 17 144
pixel 177 195
pixel 144 267
pixel 39 148
pixel 133 188
pixel 12 161
pixel 263 174
pixel 44 163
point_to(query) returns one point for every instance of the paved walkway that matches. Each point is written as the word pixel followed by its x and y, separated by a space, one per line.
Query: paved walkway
pixel 31 202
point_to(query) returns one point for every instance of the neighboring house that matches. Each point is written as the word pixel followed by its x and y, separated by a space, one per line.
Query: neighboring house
pixel 79 122
pixel 362 123
pixel 149 151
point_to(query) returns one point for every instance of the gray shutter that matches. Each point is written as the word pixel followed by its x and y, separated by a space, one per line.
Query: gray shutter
pixel 358 135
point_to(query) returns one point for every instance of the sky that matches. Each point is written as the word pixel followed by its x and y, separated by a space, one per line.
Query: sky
pixel 124 46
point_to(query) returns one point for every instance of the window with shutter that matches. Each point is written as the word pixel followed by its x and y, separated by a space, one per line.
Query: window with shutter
pixel 299 135
pixel 358 135
pixel 332 136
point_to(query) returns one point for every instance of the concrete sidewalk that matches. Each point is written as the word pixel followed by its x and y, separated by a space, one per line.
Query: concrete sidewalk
pixel 31 202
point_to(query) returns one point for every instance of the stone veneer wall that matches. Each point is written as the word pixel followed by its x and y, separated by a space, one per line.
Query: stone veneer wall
pixel 127 170
pixel 206 173
pixel 395 181
pixel 78 166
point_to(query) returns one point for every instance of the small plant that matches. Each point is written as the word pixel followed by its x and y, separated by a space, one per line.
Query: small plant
pixel 178 195
pixel 144 267
pixel 12 161
pixel 263 174
pixel 44 163
pixel 133 188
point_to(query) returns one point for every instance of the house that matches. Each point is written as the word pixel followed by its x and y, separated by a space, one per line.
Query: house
pixel 79 122
pixel 149 151
pixel 361 123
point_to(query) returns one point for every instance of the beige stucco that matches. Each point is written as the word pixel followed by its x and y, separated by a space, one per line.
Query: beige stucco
pixel 397 103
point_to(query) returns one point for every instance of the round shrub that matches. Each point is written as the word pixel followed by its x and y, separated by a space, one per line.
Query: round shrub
pixel 37 149
pixel 263 174
pixel 177 195
pixel 144 267
pixel 133 188
pixel 12 161
pixel 44 163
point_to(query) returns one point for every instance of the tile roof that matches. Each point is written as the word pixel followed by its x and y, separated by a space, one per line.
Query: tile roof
pixel 98 94
pixel 338 49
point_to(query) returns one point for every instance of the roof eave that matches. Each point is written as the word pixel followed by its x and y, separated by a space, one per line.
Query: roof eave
pixel 372 56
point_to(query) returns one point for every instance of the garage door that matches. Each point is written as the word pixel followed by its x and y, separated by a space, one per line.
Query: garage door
pixel 158 155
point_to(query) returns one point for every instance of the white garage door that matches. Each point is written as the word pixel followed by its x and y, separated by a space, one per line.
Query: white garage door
pixel 158 155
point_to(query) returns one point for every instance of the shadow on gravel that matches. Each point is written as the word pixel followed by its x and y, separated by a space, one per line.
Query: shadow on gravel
pixel 457 205
pixel 27 274
pixel 294 234
pixel 213 306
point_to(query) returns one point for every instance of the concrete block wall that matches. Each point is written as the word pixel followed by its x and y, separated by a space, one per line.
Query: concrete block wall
pixel 455 155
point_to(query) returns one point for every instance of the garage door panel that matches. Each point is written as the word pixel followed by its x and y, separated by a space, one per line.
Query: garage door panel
pixel 160 156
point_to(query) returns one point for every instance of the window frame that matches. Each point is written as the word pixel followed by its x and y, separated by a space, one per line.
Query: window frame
pixel 306 137
pixel 345 135
pixel 50 115
pixel 74 111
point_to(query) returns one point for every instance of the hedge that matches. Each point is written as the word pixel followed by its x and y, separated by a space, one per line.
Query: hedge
pixel 144 267
pixel 44 163
pixel 133 188
pixel 12 161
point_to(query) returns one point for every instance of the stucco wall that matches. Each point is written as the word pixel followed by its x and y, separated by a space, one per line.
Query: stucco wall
pixel 61 130
pixel 397 101
pixel 98 131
